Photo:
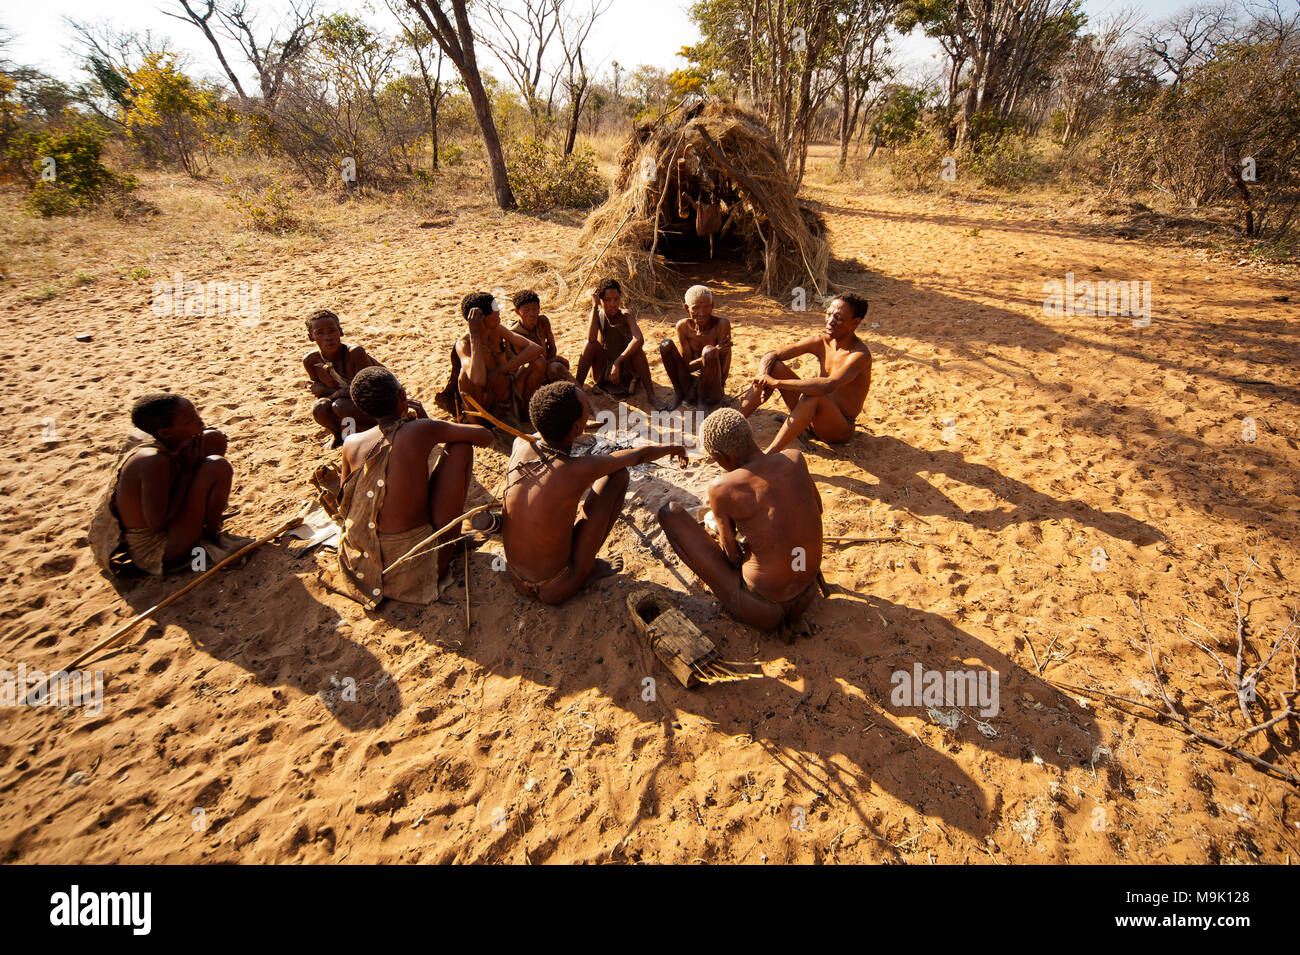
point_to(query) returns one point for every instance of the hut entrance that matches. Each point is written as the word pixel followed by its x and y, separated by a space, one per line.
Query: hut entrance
pixel 704 183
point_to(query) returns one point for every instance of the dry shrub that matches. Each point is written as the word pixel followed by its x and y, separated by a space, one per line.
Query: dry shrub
pixel 266 204
pixel 918 163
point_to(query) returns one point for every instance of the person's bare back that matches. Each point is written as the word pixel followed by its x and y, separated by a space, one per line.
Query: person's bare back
pixel 772 501
pixel 764 565
pixel 550 550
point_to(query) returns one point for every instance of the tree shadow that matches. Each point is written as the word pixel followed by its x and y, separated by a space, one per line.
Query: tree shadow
pixel 898 465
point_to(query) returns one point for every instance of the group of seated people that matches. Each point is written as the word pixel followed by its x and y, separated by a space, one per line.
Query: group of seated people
pixel 405 475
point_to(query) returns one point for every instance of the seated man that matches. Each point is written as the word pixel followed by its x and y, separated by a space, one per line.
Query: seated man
pixel 549 556
pixel 829 404
pixel 536 327
pixel 699 368
pixel 167 495
pixel 330 369
pixel 768 579
pixel 490 363
pixel 392 499
pixel 614 351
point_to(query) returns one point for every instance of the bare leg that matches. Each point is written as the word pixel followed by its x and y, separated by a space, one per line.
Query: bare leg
pixel 824 417
pixel 711 377
pixel 532 378
pixel 448 487
pixel 200 515
pixel 323 412
pixel 593 357
pixel 641 368
pixel 679 373
pixel 600 507
pixel 701 554
pixel 757 394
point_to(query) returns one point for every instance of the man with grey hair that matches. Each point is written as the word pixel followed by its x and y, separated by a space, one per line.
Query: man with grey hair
pixel 764 565
pixel 699 362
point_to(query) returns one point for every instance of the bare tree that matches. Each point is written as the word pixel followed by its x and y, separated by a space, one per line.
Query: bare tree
pixel 518 34
pixel 271 57
pixel 577 82
pixel 428 59
pixel 457 42
pixel 858 61
pixel 1189 38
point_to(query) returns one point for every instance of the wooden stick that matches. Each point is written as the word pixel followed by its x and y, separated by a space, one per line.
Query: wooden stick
pixel 468 622
pixel 129 625
pixel 438 533
pixel 480 413
pixel 869 540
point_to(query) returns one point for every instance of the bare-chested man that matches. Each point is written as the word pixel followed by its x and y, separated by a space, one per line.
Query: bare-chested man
pixel 699 363
pixel 490 363
pixel 550 557
pixel 615 352
pixel 392 499
pixel 827 405
pixel 769 579
pixel 536 327
pixel 168 495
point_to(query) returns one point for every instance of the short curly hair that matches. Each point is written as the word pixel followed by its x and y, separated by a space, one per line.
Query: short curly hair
pixel 520 299
pixel 856 303
pixel 154 412
pixel 319 314
pixel 377 392
pixel 483 301
pixel 553 410
pixel 726 432
pixel 605 285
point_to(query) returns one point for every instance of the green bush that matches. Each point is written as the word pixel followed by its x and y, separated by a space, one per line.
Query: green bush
pixel 542 177
pixel 75 179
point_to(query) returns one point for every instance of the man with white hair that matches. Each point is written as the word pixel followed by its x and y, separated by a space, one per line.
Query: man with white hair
pixel 765 562
pixel 699 362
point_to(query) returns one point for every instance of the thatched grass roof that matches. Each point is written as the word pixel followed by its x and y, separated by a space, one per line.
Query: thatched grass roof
pixel 779 239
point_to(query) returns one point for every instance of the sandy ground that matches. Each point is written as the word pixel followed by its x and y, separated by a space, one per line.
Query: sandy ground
pixel 1000 445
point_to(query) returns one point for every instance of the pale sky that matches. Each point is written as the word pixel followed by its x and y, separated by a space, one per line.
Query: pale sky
pixel 633 32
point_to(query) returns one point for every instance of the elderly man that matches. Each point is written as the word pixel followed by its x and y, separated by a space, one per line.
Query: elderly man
pixel 764 565
pixel 699 362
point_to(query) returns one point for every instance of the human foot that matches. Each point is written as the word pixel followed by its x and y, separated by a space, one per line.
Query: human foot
pixel 605 568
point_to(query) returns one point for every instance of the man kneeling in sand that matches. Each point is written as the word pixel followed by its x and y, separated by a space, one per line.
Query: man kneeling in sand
pixel 828 405
pixel 549 556
pixel 168 495
pixel 392 499
pixel 769 578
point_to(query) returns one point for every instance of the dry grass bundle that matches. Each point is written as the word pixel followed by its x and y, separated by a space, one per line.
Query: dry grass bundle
pixel 632 236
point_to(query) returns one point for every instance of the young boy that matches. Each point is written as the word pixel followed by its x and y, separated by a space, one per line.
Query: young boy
pixel 699 367
pixel 536 327
pixel 392 499
pixel 168 494
pixel 330 369
pixel 490 363
pixel 614 352
pixel 826 406
pixel 549 557
pixel 771 500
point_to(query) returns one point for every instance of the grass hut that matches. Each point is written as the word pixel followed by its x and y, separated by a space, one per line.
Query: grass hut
pixel 707 167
